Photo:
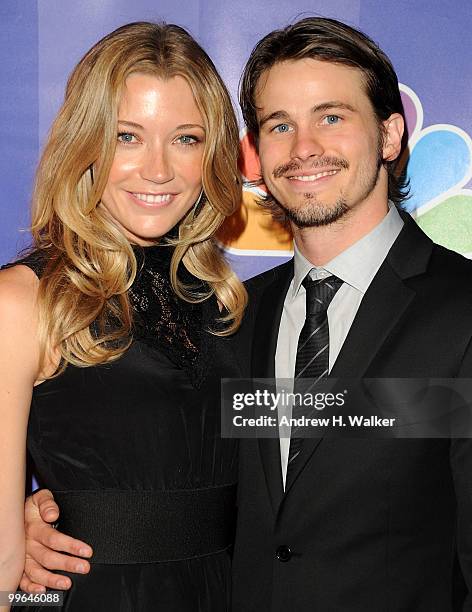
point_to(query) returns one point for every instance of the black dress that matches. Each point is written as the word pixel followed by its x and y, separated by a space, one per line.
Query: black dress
pixel 133 453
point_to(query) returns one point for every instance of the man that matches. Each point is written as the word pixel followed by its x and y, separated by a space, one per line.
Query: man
pixel 347 524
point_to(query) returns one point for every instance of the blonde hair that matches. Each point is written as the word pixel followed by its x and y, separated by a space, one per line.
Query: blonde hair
pixel 90 263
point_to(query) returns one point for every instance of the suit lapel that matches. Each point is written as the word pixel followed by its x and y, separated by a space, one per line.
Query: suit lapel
pixel 263 366
pixel 384 304
pixel 382 307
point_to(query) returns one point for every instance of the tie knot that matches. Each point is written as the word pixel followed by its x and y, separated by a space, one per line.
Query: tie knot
pixel 319 293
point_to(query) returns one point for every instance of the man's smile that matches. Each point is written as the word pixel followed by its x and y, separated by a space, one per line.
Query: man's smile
pixel 312 177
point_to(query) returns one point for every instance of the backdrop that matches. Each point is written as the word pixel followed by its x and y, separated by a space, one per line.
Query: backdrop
pixel 428 42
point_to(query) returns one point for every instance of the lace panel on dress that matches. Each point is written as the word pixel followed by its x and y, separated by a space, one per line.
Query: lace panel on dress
pixel 163 320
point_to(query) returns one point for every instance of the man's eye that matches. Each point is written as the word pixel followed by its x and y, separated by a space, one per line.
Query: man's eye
pixel 332 119
pixel 281 129
pixel 126 137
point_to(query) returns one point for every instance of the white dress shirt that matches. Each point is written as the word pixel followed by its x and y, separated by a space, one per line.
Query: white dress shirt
pixel 356 267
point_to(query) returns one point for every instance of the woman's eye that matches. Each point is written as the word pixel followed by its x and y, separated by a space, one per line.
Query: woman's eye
pixel 186 139
pixel 126 137
pixel 282 128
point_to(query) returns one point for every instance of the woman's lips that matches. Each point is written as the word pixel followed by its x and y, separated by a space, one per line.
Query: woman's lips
pixel 152 200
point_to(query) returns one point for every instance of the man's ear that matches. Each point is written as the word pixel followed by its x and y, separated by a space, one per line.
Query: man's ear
pixel 393 128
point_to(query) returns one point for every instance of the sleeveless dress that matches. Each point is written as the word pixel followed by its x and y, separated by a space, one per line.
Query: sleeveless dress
pixel 133 453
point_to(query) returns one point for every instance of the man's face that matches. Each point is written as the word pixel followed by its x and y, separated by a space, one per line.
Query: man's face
pixel 320 144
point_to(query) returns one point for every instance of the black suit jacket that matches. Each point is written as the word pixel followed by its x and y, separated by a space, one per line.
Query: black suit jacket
pixel 372 525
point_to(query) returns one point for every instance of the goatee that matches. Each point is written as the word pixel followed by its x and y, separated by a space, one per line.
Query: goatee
pixel 315 214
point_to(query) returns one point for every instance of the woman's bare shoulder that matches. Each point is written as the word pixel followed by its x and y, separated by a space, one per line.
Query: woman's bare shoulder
pixel 19 318
pixel 18 289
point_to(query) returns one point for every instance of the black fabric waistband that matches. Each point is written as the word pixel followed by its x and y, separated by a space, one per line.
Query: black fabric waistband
pixel 149 526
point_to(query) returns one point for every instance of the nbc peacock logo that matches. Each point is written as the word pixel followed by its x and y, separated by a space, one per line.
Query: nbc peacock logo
pixel 439 167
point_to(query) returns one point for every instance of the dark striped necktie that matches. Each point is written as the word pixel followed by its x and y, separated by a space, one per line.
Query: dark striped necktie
pixel 313 348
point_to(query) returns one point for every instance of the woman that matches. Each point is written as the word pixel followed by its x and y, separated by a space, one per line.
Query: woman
pixel 117 328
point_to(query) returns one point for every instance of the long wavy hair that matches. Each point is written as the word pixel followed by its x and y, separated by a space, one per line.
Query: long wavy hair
pixel 90 264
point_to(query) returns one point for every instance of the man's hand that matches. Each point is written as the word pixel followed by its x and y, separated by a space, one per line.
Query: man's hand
pixel 42 542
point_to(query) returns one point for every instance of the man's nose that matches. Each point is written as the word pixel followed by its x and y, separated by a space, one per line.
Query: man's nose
pixel 306 143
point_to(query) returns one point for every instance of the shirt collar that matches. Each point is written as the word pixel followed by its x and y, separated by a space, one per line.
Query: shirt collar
pixel 358 264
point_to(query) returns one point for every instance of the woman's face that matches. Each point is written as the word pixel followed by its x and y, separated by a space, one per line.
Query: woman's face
pixel 156 175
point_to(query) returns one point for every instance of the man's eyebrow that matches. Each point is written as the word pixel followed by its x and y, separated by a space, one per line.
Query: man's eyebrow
pixel 275 116
pixel 336 104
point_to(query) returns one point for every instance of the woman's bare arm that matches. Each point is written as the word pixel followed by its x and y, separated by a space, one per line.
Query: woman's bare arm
pixel 19 360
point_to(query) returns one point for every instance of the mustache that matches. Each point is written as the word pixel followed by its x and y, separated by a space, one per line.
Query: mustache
pixel 321 162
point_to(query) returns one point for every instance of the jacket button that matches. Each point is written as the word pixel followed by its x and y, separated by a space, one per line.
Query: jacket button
pixel 283 553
